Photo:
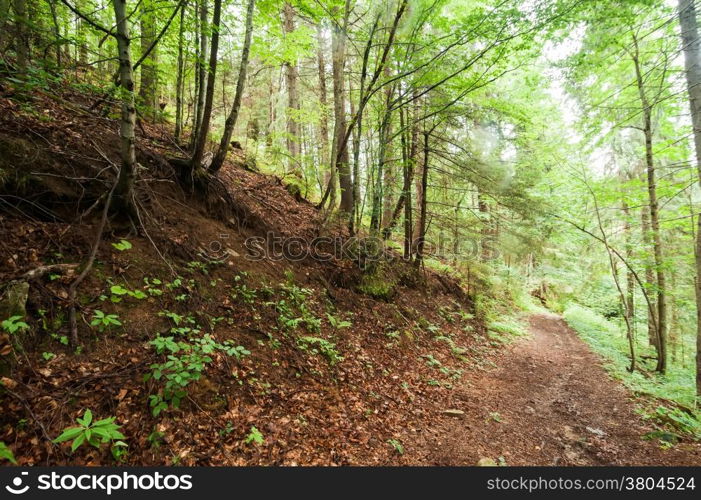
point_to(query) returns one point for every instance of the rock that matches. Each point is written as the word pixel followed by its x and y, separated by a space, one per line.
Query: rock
pixel 453 412
pixel 14 300
pixel 596 431
pixel 486 462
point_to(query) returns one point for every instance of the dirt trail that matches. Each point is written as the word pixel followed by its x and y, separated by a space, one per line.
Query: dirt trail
pixel 548 402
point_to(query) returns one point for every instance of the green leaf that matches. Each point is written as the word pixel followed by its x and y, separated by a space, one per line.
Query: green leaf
pixel 87 418
pixel 6 453
pixel 122 245
pixel 78 441
pixel 68 434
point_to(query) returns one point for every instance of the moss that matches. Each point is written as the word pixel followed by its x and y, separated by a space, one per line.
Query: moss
pixel 378 285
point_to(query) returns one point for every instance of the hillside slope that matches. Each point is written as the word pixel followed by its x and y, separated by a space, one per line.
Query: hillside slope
pixel 299 366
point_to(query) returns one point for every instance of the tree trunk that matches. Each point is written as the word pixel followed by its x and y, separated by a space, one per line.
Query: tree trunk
pixel 339 104
pixel 203 131
pixel 124 192
pixel 421 232
pixel 324 152
pixel 692 64
pixel 21 34
pixel 240 84
pixel 201 67
pixel 291 76
pixel 5 16
pixel 148 89
pixel 630 279
pixel 654 216
pixel 179 79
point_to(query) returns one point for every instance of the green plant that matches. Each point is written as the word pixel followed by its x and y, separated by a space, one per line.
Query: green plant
pixel 228 429
pixel 254 436
pixel 151 287
pixel 6 453
pixel 119 292
pixel 48 356
pixel 336 323
pixel 185 363
pixel 318 345
pixel 397 445
pixel 94 433
pixel 196 265
pixel 119 450
pixel 678 420
pixel 14 324
pixel 431 361
pixel 104 321
pixel 155 438
pixel 122 245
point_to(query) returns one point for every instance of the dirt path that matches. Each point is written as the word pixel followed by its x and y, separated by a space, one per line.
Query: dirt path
pixel 548 402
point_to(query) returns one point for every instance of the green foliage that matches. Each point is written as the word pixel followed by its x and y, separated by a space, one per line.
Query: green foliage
pixel 119 292
pixel 6 453
pixel 185 362
pixel 336 323
pixel 294 310
pixel 508 326
pixel 92 432
pixel 254 436
pixel 104 321
pixel 122 245
pixel 396 445
pixel 323 346
pixel 14 324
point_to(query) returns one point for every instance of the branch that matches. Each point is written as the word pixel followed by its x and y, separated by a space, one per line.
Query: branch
pixel 85 18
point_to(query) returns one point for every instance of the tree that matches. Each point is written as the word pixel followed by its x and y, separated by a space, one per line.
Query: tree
pixel 240 84
pixel 203 130
pixel 148 89
pixel 124 194
pixel 692 64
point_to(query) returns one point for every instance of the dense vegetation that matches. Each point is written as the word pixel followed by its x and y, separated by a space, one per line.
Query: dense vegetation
pixel 519 152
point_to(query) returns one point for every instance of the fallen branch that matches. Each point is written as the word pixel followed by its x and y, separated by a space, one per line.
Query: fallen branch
pixel 43 270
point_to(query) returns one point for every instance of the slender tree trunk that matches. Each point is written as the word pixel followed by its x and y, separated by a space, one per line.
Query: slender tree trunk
pixel 630 279
pixel 201 68
pixel 654 216
pixel 324 149
pixel 240 84
pixel 291 77
pixel 148 89
pixel 421 232
pixel 57 32
pixel 203 132
pixel 179 78
pixel 5 16
pixel 339 111
pixel 692 63
pixel 124 192
pixel 407 178
pixel 21 34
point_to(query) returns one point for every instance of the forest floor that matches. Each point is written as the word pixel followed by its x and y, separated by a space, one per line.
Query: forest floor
pixel 549 402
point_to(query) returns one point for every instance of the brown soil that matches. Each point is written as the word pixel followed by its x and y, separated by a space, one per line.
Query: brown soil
pixel 549 402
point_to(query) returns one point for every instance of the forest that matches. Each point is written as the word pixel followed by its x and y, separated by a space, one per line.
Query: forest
pixel 350 232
